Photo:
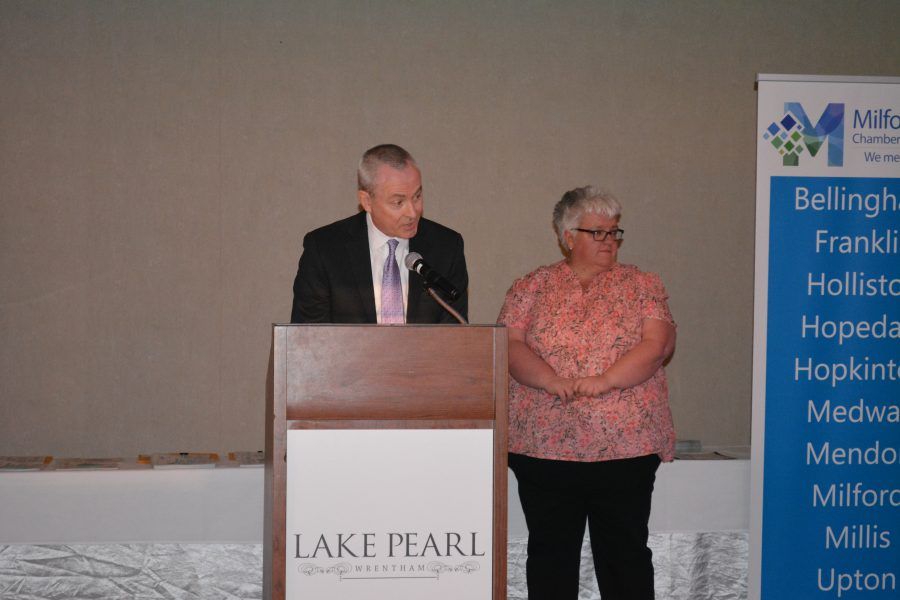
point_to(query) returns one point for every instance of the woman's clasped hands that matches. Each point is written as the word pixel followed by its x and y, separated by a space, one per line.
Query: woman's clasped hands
pixel 568 389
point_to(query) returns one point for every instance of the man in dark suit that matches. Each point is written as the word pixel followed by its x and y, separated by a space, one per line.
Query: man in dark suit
pixel 347 272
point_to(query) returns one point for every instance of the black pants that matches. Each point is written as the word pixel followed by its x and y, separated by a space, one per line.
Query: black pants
pixel 613 497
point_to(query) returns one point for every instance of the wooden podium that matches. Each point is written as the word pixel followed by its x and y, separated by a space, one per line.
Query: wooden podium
pixel 437 381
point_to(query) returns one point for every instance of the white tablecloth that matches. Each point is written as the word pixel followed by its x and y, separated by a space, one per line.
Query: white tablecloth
pixel 196 534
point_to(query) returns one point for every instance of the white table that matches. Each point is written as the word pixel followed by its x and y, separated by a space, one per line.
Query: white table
pixel 226 504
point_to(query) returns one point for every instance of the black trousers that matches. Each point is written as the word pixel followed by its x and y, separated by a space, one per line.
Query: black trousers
pixel 613 498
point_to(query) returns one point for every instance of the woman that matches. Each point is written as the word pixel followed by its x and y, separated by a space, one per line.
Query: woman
pixel 589 416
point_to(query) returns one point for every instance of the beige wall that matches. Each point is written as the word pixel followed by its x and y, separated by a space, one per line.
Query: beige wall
pixel 160 161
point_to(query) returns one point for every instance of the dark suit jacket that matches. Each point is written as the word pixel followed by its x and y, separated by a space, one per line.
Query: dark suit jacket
pixel 334 277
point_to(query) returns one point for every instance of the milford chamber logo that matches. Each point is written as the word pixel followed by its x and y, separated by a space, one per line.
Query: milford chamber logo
pixel 794 135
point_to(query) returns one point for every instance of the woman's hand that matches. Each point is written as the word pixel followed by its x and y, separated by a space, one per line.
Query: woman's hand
pixel 560 386
pixel 592 386
pixel 529 369
pixel 637 365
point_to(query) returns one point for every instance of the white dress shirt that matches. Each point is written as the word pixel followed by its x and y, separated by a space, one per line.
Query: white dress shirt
pixel 378 253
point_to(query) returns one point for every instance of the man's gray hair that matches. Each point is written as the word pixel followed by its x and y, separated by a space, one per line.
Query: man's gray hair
pixel 568 212
pixel 384 154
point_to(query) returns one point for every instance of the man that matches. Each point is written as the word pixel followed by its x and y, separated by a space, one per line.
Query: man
pixel 352 271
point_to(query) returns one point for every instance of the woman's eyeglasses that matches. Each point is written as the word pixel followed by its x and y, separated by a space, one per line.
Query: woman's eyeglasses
pixel 600 235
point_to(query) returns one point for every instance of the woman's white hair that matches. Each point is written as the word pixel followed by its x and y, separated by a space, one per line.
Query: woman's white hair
pixel 568 212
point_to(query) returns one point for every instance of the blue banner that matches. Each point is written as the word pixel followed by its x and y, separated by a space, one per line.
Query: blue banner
pixel 825 470
pixel 832 470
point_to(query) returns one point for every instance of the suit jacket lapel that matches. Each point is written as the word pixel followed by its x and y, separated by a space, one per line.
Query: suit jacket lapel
pixel 361 265
pixel 419 244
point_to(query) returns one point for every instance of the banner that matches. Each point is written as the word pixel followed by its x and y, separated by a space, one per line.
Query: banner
pixel 826 382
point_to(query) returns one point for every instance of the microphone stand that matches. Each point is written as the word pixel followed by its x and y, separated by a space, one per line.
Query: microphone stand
pixel 446 306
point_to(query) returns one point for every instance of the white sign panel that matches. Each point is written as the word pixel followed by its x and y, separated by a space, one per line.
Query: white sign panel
pixel 399 514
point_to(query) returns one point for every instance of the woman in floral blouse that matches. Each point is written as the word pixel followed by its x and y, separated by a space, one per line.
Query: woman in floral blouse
pixel 589 418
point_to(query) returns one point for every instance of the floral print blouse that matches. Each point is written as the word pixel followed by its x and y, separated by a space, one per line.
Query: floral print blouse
pixel 580 333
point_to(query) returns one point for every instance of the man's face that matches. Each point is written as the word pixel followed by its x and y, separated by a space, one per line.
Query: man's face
pixel 396 202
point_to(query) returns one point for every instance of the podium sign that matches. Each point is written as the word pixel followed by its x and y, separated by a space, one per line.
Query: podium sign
pixel 389 514
pixel 386 462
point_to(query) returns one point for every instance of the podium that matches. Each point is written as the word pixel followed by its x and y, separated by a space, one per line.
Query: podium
pixel 386 470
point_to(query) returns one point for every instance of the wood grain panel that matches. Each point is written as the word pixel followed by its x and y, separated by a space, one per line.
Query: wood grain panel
pixel 501 397
pixel 430 372
pixel 276 472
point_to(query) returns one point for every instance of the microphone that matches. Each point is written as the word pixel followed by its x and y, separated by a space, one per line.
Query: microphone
pixel 415 262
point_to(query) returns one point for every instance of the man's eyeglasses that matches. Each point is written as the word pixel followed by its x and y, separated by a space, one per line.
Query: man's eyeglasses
pixel 600 235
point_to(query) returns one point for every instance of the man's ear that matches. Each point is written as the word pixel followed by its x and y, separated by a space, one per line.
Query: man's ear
pixel 364 200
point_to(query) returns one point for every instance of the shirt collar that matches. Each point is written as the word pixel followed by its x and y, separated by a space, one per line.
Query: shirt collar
pixel 377 239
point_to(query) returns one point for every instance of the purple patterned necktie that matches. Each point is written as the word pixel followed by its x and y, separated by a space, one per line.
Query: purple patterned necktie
pixel 391 290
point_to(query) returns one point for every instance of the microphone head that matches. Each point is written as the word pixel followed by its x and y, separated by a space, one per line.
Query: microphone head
pixel 411 259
